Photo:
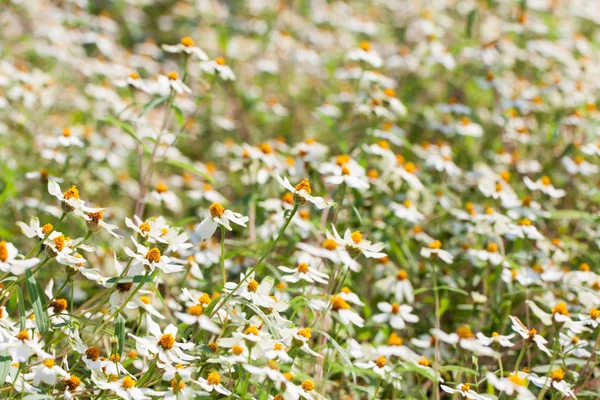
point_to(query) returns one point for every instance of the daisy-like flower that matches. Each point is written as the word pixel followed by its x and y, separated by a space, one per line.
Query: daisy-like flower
pixel 302 193
pixel 434 250
pixel 490 254
pixel 219 68
pixel 464 389
pixel 251 290
pixel 379 366
pixel 396 314
pixel 60 247
pixel 466 127
pixel 572 344
pixel 48 372
pixel 125 388
pixel 464 338
pixel 592 318
pixel 219 216
pixel 523 229
pixel 555 380
pixel 560 315
pixel 365 53
pixel 163 344
pixel 304 271
pixel 166 83
pixel 355 244
pixel 9 261
pixel 407 211
pixel 398 284
pixel 529 334
pixel 195 315
pixel 162 194
pixel 514 385
pixel 151 258
pixel 213 383
pixel 34 229
pixel 96 222
pixel 69 200
pixel 502 340
pixel 347 316
pixel 579 166
pixel 187 46
pixel 544 185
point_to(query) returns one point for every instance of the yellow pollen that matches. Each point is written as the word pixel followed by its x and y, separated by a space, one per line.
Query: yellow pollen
pixel 3 251
pixel 329 244
pixel 342 159
pixel 265 148
pixel 187 41
pixel 49 363
pixel 495 334
pixel 423 361
pixel 395 340
pixel 338 303
pixel 72 193
pixel 515 379
pixel 373 174
pixel 575 339
pixel 145 299
pixel 196 310
pixel 560 308
pixel 288 198
pixel 23 335
pixel 128 382
pixel 557 375
pixel 498 187
pixel 251 330
pixel 505 175
pixel 308 386
pixel 47 228
pixel 59 305
pixel 204 299
pixel 395 308
pixel 132 354
pixel 253 285
pixel 145 227
pixel 389 92
pixel 220 60
pixel 492 248
pixel 304 185
pixel 305 333
pixel 380 362
pixel 214 378
pixel 59 242
pixel 167 341
pixel 161 188
pixel 594 313
pixel 66 132
pixel 410 167
pixel 402 275
pixel 436 244
pixel 237 350
pixel 303 268
pixel 464 332
pixel 153 255
pixel 584 267
pixel 525 222
pixel 92 353
pixel 356 237
pixel 465 387
pixel 532 332
pixel 277 347
pixel 546 180
pixel 216 210
pixel 173 75
pixel 345 170
pixel 73 382
pixel 134 75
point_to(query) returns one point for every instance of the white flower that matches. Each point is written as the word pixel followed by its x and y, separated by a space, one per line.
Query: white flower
pixel 464 338
pixel 186 46
pixel 529 334
pixel 254 292
pixel 579 166
pixel 396 314
pixel 213 382
pixel 503 340
pixel 560 315
pixel 9 261
pixel 555 380
pixel 151 258
pixel 435 250
pixel 515 384
pixel 218 67
pixel 48 372
pixel 302 193
pixel 69 200
pixel 544 185
pixel 399 284
pixel 355 244
pixel 163 343
pixel 407 211
pixel 365 54
pixel 219 216
pixel 464 389
pixel 304 271
pixel 166 83
pixel 378 366
pixel 195 315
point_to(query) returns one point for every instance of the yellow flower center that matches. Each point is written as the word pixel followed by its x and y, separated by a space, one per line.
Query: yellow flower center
pixel 187 41
pixel 196 310
pixel 389 92
pixel 220 60
pixel 127 382
pixel 464 332
pixel 277 346
pixel 214 378
pixel 173 75
pixel 216 210
pixel 465 387
pixel 23 335
pixel 73 382
pixel 153 255
pixel 532 332
pixel 546 180
pixel 161 188
pixel 66 132
pixel 492 248
pixel 560 308
pixel 213 347
pixel 380 362
pixel 253 285
pixel 134 75
pixel 395 340
pixel 167 341
pixel 305 333
pixel 49 363
pixel 308 386
pixel 92 353
pixel 465 120
pixel 237 350
pixel 145 227
pixel 329 244
pixel 525 222
pixel 495 334
pixel 338 303
pixel 287 198
pixel 515 379
pixel 251 330
pixel 3 251
pixel 584 267
pixel 47 228
pixel 575 339
pixel 145 299
pixel 345 170
pixel 402 275
pixel 303 268
pixel 177 386
pixel 423 361
pixel 304 185
pixel 594 313
pixel 395 308
pixel 435 245
pixel 59 242
pixel 356 237
pixel 72 193
pixel 365 46
pixel 204 299
pixel 59 305
pixel 557 375
pixel 410 167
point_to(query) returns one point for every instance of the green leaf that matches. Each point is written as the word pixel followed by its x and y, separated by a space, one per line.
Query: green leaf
pixel 153 103
pixel 128 279
pixel 459 369
pixel 470 21
pixel 127 128
pixel 5 360
pixel 21 301
pixel 339 349
pixel 178 114
pixel 120 333
pixel 36 295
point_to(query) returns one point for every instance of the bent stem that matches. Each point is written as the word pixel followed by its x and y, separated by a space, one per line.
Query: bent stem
pixel 259 262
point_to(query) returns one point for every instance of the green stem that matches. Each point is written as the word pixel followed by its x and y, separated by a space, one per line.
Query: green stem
pixel 223 272
pixel 37 246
